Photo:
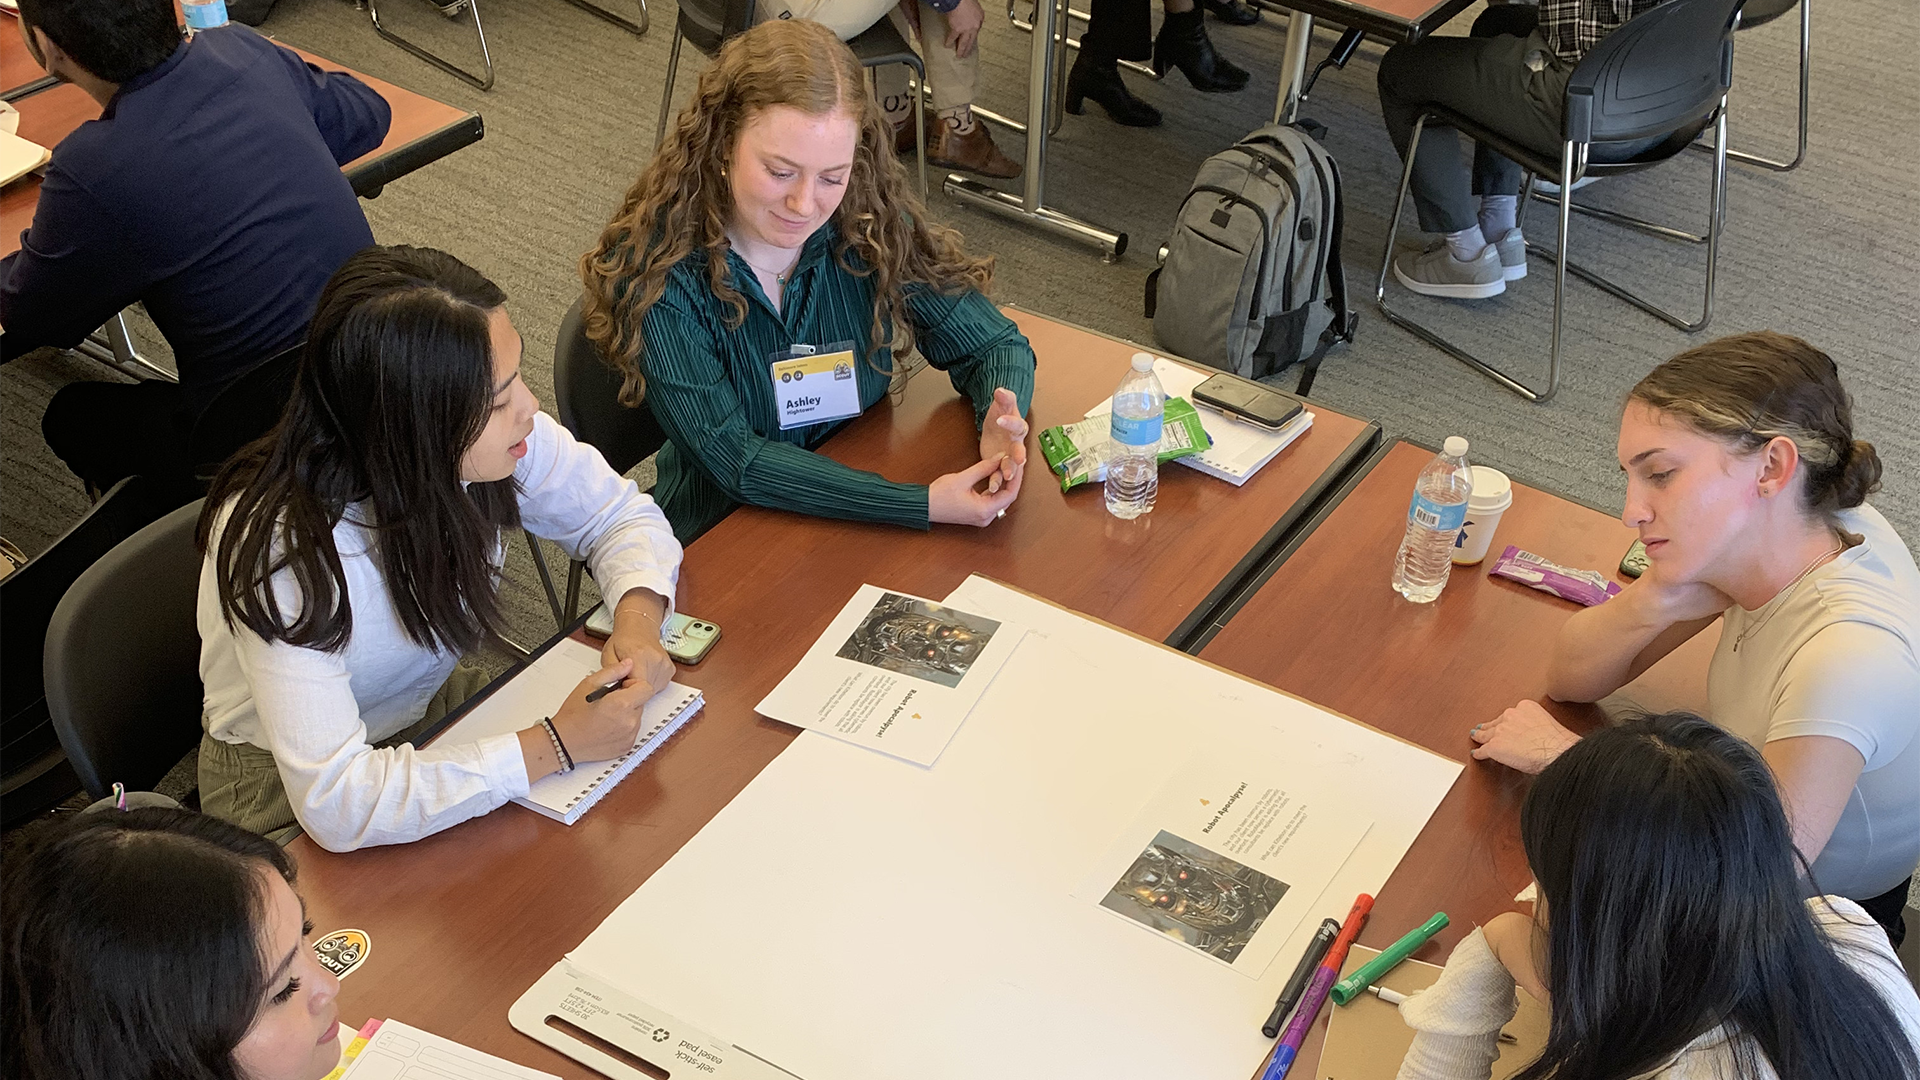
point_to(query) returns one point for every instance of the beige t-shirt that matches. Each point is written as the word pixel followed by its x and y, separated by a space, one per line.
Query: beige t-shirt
pixel 1839 655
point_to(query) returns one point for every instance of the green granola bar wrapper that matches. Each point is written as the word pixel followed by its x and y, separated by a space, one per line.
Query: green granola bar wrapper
pixel 1077 452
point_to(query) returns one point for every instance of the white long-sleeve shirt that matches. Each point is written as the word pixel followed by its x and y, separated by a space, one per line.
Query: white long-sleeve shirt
pixel 1457 1021
pixel 319 713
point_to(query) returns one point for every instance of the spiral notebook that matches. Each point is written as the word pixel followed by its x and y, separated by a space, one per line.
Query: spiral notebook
pixel 1239 448
pixel 538 691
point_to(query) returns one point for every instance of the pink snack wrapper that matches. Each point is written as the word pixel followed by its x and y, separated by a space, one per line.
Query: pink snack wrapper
pixel 1588 587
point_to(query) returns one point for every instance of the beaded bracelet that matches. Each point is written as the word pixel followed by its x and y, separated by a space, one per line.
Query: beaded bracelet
pixel 559 748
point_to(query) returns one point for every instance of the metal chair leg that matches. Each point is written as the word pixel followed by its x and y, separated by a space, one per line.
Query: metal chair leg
pixel 1806 71
pixel 1628 221
pixel 636 29
pixel 1438 342
pixel 575 570
pixel 546 578
pixel 473 8
pixel 920 132
pixel 666 96
pixel 1716 217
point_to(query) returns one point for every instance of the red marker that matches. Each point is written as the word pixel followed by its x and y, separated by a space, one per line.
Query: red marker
pixel 1349 930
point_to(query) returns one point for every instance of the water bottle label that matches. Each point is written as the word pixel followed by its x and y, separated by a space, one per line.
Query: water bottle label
pixel 205 16
pixel 1137 432
pixel 1432 515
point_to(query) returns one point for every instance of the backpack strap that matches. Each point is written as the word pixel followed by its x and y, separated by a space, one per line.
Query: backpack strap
pixel 1344 322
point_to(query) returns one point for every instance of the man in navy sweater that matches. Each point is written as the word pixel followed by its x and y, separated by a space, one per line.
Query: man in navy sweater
pixel 209 190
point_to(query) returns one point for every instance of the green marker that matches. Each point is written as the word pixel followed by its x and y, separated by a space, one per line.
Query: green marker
pixel 1356 984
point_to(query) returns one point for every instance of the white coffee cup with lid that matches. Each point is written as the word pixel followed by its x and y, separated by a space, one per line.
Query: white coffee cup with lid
pixel 1492 494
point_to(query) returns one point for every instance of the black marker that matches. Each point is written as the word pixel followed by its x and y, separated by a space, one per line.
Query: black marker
pixel 1316 952
pixel 596 695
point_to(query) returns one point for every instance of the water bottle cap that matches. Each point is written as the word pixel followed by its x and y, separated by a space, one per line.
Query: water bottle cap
pixel 1456 446
pixel 1142 361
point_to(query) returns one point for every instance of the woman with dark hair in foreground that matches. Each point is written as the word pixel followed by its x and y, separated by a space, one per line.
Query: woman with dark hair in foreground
pixel 160 944
pixel 353 556
pixel 1673 937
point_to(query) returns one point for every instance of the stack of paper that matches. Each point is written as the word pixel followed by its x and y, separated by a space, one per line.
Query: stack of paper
pixel 18 157
pixel 391 1050
pixel 1239 449
pixel 538 691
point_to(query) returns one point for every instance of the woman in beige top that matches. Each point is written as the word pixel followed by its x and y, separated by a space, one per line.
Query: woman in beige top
pixel 1748 488
pixel 1671 939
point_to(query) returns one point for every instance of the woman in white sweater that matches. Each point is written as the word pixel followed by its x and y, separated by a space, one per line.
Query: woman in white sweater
pixel 354 554
pixel 1672 938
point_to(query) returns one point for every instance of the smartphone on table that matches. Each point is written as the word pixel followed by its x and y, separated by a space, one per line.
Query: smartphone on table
pixel 1244 399
pixel 687 639
pixel 1634 562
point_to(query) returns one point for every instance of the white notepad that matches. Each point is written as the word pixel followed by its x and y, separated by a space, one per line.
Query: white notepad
pixel 18 157
pixel 1239 449
pixel 402 1052
pixel 537 692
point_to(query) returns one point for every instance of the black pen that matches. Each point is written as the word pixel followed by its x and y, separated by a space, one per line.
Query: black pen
pixel 596 695
pixel 1316 952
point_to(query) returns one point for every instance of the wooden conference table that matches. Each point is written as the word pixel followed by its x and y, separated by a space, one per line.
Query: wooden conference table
pixel 1328 627
pixel 423 130
pixel 464 921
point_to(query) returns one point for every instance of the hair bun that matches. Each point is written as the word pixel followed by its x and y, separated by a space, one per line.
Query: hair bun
pixel 1859 475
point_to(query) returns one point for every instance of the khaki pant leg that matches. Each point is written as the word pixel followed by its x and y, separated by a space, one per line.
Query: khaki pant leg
pixel 952 78
pixel 463 683
pixel 240 783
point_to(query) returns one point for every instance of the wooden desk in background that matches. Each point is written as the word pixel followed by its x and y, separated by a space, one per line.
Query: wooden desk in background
pixel 423 131
pixel 1328 627
pixel 1393 21
pixel 463 922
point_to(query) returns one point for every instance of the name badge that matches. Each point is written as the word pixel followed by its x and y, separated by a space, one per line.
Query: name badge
pixel 815 386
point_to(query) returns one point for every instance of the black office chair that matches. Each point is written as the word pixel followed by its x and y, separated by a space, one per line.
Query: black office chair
pixel 122 663
pixel 1663 75
pixel 246 409
pixel 709 23
pixel 37 775
pixel 586 392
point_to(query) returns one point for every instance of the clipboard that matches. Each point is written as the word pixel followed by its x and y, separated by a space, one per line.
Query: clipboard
pixel 1366 1039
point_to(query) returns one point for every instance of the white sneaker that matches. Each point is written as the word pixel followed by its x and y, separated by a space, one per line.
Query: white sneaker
pixel 1547 187
pixel 1512 249
pixel 1435 272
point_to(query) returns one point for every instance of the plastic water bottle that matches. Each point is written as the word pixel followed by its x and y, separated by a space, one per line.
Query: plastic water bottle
pixel 204 14
pixel 1133 467
pixel 1433 522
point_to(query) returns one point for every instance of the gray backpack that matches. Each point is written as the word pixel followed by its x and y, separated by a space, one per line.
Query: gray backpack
pixel 1251 279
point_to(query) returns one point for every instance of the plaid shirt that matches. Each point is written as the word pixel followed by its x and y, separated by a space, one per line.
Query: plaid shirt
pixel 1572 27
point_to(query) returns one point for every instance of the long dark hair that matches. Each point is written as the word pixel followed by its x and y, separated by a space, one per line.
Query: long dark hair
pixel 395 383
pixel 133 946
pixel 1674 904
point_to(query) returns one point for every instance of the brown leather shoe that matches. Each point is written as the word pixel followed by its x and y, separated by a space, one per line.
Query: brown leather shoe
pixel 973 152
pixel 903 141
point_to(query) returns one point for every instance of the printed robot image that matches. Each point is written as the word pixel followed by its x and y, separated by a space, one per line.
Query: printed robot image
pixel 1222 904
pixel 906 635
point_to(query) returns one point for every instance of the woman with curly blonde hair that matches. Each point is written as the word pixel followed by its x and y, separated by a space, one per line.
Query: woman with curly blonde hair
pixel 763 275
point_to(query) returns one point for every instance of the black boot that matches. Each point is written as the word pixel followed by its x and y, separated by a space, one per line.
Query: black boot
pixel 1100 80
pixel 1183 43
pixel 1233 12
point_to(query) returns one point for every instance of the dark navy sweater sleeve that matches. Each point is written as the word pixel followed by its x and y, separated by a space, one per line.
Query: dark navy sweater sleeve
pixel 352 117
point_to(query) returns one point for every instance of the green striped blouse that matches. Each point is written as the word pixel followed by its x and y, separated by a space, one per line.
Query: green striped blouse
pixel 709 386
